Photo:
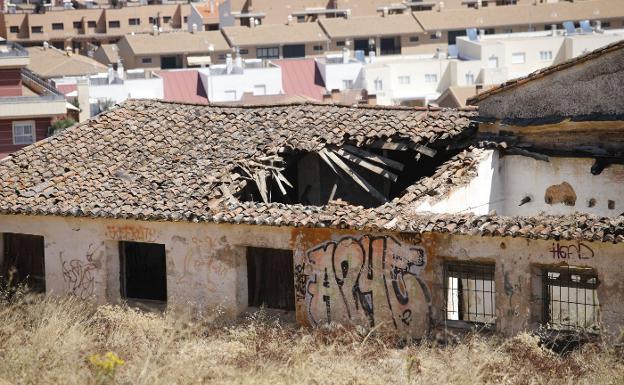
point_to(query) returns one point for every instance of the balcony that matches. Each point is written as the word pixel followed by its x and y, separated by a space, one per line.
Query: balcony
pixel 12 55
pixel 48 102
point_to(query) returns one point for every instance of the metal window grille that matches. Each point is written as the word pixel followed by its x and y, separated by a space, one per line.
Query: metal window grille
pixel 470 292
pixel 570 298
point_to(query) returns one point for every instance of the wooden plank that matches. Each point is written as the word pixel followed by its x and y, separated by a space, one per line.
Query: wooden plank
pixel 333 192
pixel 279 184
pixel 395 146
pixel 323 155
pixel 369 166
pixel 358 179
pixel 260 178
pixel 283 179
pixel 430 152
pixel 374 157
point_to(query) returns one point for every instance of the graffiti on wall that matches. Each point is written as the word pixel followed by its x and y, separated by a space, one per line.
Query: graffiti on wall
pixel 573 251
pixel 79 274
pixel 363 280
pixel 130 233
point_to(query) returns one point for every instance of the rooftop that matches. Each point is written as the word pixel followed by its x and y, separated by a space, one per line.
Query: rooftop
pixel 275 34
pixel 367 26
pixel 53 63
pixel 175 42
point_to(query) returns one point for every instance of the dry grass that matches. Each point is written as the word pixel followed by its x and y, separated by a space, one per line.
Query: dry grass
pixel 48 341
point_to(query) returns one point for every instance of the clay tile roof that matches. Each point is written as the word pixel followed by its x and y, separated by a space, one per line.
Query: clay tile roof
pixel 158 160
pixel 274 34
pixel 176 42
pixel 367 26
pixel 54 63
pixel 547 71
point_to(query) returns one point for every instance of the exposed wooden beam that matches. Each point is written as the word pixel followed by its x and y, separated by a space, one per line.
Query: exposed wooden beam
pixel 260 178
pixel 373 157
pixel 367 165
pixel 357 178
pixel 530 154
pixel 430 152
pixel 279 184
pixel 395 146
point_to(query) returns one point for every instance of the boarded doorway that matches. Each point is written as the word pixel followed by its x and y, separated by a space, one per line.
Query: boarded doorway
pixel 270 278
pixel 23 260
pixel 143 271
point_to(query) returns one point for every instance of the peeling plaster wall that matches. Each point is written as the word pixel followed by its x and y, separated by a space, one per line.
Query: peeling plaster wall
pixel 388 280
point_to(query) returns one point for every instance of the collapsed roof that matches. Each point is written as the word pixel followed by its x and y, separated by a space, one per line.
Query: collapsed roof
pixel 154 160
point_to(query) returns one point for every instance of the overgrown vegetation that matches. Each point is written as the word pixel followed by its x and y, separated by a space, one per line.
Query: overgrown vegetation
pixel 62 124
pixel 68 341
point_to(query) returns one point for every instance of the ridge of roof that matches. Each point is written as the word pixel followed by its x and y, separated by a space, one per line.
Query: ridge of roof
pixel 547 71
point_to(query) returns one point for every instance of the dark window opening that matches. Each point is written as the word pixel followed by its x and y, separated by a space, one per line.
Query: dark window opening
pixel 168 62
pixel 167 19
pixel 470 293
pixel 91 24
pixel 77 24
pixel 267 53
pixel 293 51
pixel 390 46
pixel 23 260
pixel 212 27
pixel 340 43
pixel 363 45
pixel 570 298
pixel 36 29
pixel 14 29
pixel 134 21
pixel 114 24
pixel 453 35
pixel 57 26
pixel 270 278
pixel 143 271
pixel 368 176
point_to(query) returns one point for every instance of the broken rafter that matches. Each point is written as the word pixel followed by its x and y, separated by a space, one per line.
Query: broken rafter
pixel 279 183
pixel 373 157
pixel 430 152
pixel 530 154
pixel 395 146
pixel 260 179
pixel 367 165
pixel 357 178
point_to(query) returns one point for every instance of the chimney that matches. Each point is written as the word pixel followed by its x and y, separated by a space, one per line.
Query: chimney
pixel 193 28
pixel 553 29
pixel 348 13
pixel 385 11
pixel 68 51
pixel 598 25
pixel 212 6
pixel 111 74
pixel 289 20
pixel 440 6
pixel 345 55
pixel 371 57
pixel 239 59
pixel 155 30
pixel 120 69
pixel 252 22
pixel 481 33
pixel 228 63
pixel 479 3
pixel 46 45
pixel 82 88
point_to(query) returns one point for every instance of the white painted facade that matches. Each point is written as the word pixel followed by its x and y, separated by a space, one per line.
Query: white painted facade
pixel 502 184
pixel 341 72
pixel 254 76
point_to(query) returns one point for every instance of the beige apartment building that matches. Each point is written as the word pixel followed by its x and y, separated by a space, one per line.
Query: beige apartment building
pixel 76 28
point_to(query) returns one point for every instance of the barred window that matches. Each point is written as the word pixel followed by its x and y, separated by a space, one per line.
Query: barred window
pixel 470 292
pixel 570 298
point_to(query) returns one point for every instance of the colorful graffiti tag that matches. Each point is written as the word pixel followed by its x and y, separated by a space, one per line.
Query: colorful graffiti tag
pixel 364 280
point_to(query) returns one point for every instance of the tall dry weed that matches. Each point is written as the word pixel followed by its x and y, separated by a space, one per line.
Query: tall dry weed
pixel 46 340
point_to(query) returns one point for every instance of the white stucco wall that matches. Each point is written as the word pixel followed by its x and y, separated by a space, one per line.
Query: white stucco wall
pixel 220 88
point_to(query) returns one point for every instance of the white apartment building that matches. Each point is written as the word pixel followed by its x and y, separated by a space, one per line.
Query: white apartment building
pixel 477 60
pixel 341 71
pixel 228 82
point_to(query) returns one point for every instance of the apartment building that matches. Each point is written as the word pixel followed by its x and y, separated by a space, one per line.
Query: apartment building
pixel 49 62
pixel 204 16
pixel 28 104
pixel 77 28
pixel 172 50
pixel 277 41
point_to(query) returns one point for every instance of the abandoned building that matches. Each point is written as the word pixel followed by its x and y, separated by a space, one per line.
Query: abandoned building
pixel 504 218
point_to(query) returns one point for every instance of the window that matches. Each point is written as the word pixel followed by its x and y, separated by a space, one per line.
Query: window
pixel 185 19
pixel 470 79
pixel 605 24
pixel 243 51
pixel 230 95
pixel 435 36
pixel 91 24
pixel 77 24
pixel 517 58
pixel 347 84
pixel 143 271
pixel 14 29
pixel 268 53
pixel 431 78
pixel 318 47
pixel 493 62
pixel 24 260
pixel 470 292
pixel 300 19
pixel 270 278
pixel 570 298
pixel 340 43
pixel 166 19
pixel 24 132
pixel 146 60
pixel 507 30
pixel 378 84
pixel 134 21
pixel 57 26
pixel 36 29
pixel 114 24
pixel 259 89
pixel 153 20
pixel 413 39
pixel 545 55
pixel 404 80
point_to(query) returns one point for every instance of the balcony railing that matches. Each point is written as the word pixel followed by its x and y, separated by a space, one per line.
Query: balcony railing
pixel 31 99
pixel 31 79
pixel 12 50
